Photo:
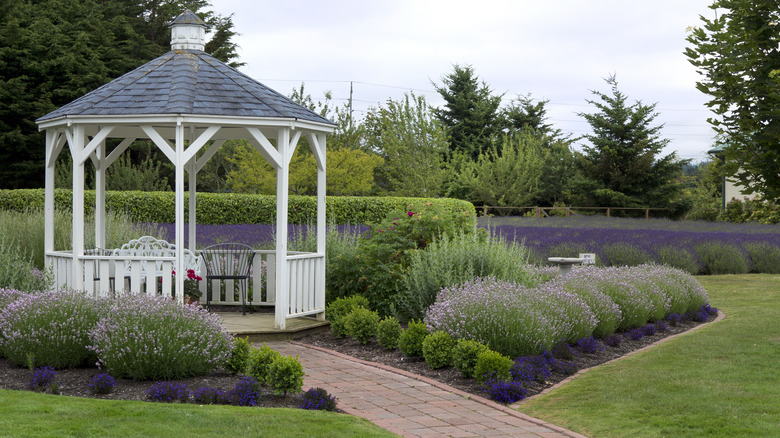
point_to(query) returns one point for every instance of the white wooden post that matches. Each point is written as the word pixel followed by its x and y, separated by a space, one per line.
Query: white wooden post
pixel 179 164
pixel 48 205
pixel 319 281
pixel 192 175
pixel 282 183
pixel 76 142
pixel 100 195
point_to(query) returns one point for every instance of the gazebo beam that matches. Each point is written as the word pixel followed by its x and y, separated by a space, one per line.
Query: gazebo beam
pixel 76 141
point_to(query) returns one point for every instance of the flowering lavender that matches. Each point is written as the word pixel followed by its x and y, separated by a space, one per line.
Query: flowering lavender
pixel 168 392
pixel 51 327
pixel 8 296
pixel 662 241
pixel 636 334
pixel 102 383
pixel 152 337
pixel 509 318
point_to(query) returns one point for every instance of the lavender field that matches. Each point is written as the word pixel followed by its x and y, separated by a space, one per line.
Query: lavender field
pixel 694 246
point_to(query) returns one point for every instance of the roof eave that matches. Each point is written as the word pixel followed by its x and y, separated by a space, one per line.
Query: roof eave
pixel 173 119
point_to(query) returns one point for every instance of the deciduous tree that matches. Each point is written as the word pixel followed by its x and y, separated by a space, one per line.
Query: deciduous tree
pixel 412 144
pixel 737 54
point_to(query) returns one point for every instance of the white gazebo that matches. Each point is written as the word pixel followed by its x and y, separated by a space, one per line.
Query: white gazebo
pixel 185 101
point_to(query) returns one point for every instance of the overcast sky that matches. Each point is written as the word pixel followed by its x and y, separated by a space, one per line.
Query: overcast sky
pixel 558 50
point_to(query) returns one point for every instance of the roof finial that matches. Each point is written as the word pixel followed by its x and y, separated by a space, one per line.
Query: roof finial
pixel 188 32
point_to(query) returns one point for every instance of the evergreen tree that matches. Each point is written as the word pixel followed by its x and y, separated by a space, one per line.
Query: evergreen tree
pixel 737 53
pixel 620 169
pixel 470 112
pixel 52 52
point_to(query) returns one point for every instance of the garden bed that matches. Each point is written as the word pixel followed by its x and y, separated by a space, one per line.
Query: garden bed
pixel 373 352
pixel 73 382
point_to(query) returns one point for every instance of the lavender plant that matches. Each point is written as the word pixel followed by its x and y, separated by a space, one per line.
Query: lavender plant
pixel 51 327
pixel 152 337
pixel 102 383
pixel 168 392
pixel 722 258
pixel 509 318
pixel 456 260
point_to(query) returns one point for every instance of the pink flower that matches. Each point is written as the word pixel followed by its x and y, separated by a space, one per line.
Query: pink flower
pixel 410 214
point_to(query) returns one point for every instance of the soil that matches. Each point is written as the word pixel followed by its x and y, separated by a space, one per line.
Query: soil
pixel 73 382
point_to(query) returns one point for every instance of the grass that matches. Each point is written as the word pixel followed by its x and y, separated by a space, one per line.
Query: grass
pixel 27 414
pixel 718 381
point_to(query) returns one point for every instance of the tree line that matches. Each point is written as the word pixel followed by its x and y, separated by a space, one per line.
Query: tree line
pixel 471 147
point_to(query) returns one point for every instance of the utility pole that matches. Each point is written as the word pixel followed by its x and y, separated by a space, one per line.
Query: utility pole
pixel 350 106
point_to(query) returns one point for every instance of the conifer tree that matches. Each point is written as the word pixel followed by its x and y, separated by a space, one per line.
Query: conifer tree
pixel 621 168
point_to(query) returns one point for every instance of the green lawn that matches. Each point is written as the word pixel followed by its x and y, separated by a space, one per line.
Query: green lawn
pixel 722 380
pixel 27 414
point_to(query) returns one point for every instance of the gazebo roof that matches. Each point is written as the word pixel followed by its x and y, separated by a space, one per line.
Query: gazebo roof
pixel 188 82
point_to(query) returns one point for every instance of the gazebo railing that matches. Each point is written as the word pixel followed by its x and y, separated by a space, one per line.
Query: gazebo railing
pixel 305 291
pixel 101 278
pixel 306 274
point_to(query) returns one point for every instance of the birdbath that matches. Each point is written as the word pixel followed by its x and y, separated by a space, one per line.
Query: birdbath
pixel 565 263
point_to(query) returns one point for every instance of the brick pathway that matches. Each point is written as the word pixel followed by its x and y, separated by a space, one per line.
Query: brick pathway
pixel 410 405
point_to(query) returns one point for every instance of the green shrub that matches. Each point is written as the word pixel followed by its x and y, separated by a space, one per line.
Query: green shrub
pixel 146 337
pixel 285 374
pixel 228 208
pixel 764 257
pixel 385 250
pixel 51 328
pixel 492 365
pixel 410 342
pixel 455 260
pixel 437 349
pixel 362 324
pixel 465 354
pixel 239 356
pixel 389 332
pixel 260 360
pixel 338 310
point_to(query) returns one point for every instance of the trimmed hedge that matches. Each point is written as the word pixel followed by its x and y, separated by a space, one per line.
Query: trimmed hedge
pixel 229 208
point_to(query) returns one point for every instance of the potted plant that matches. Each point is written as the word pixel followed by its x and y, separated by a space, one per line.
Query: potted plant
pixel 192 293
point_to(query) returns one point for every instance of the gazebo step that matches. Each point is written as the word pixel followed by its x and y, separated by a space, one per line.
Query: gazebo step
pixel 259 327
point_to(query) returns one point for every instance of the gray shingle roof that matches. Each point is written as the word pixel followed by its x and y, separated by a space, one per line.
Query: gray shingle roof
pixel 185 82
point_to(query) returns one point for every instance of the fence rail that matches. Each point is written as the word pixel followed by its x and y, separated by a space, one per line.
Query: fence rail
pixel 540 212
